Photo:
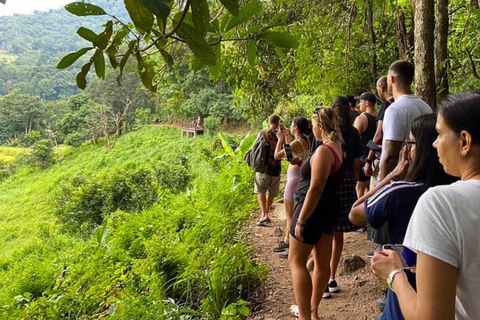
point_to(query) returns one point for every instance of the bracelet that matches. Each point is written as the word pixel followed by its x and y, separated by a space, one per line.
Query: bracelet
pixel 391 277
pixel 300 224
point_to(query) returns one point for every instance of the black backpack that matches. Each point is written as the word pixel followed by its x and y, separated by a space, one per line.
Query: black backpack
pixel 257 156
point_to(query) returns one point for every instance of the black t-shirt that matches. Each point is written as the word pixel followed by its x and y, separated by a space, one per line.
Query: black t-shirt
pixel 368 134
pixel 383 108
pixel 351 148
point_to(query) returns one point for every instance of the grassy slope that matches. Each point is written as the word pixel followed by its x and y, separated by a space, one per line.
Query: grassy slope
pixel 25 199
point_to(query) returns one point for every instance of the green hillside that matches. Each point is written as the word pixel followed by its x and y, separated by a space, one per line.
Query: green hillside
pixel 72 248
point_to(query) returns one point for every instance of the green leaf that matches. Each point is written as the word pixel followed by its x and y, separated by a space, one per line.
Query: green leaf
pixel 70 58
pixel 215 70
pixel 252 52
pixel 147 73
pixel 81 76
pixel 3 1
pixel 111 52
pixel 197 64
pixel 101 233
pixel 200 16
pixel 141 16
pixel 231 5
pixel 101 41
pixel 245 14
pixel 280 39
pixel 124 60
pixel 245 144
pixel 197 44
pixel 244 311
pixel 86 34
pixel 160 8
pixel 84 9
pixel 168 58
pixel 226 146
pixel 99 62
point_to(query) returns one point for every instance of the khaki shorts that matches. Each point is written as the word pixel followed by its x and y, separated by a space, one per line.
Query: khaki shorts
pixel 265 182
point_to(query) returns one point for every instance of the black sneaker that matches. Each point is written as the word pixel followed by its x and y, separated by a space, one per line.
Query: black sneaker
pixel 282 246
pixel 283 254
pixel 333 286
pixel 327 294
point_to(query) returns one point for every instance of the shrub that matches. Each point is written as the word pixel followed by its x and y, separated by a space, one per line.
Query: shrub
pixel 30 138
pixel 42 154
pixel 212 124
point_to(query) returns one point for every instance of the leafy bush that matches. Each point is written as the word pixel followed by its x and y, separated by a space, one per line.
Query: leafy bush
pixel 75 139
pixel 31 138
pixel 212 124
pixel 84 202
pixel 42 154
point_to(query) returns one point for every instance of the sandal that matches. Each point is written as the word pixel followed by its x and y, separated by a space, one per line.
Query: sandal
pixel 263 223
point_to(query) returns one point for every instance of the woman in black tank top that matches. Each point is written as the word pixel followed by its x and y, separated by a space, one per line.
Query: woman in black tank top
pixel 316 207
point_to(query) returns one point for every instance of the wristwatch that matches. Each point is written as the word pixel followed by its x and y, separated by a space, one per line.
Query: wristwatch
pixel 392 276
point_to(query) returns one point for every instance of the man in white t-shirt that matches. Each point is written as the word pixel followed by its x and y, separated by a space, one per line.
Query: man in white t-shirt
pixel 400 114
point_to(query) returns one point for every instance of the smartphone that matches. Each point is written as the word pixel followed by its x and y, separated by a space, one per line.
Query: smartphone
pixel 288 152
pixel 409 258
pixel 281 124
pixel 374 147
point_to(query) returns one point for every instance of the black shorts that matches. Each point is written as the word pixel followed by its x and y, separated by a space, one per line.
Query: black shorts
pixel 320 222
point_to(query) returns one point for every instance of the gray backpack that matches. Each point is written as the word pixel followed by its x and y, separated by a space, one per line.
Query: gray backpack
pixel 257 156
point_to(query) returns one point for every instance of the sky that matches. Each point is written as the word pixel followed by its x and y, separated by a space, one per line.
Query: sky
pixel 28 6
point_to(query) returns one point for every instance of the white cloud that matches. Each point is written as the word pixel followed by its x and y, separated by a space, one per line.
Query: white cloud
pixel 29 6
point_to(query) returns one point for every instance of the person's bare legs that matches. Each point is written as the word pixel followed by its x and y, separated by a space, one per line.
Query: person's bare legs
pixel 302 282
pixel 322 252
pixel 269 206
pixel 289 214
pixel 337 248
pixel 362 188
pixel 262 201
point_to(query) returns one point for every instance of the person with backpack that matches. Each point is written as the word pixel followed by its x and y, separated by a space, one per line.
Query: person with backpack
pixel 261 158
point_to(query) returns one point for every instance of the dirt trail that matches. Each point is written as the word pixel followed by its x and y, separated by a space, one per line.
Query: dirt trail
pixel 273 299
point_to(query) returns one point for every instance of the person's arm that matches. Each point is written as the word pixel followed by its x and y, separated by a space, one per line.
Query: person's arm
pixel 361 123
pixel 279 152
pixel 390 159
pixel 436 286
pixel 321 163
pixel 357 166
pixel 377 138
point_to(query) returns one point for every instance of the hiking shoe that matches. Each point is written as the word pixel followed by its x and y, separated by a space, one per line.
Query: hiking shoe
pixel 333 286
pixel 327 294
pixel 283 254
pixel 380 303
pixel 282 246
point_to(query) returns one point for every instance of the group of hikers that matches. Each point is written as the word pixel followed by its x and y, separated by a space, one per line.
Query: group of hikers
pixel 409 176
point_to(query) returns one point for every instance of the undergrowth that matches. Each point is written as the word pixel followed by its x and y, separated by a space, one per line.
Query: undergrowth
pixel 150 230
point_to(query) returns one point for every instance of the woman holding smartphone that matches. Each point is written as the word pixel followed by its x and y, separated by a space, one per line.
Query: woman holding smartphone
pixel 444 227
pixel 392 201
pixel 295 151
pixel 316 208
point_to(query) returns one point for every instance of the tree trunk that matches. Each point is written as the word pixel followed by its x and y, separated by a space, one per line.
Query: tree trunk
pixel 373 43
pixel 402 35
pixel 441 49
pixel 424 51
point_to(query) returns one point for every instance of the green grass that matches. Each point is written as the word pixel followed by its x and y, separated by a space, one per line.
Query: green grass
pixel 8 154
pixel 195 235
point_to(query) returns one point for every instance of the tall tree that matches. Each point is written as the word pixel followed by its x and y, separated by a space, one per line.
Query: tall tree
pixel 441 49
pixel 424 51
pixel 373 43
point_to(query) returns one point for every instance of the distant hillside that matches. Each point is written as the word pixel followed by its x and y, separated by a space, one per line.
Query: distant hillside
pixel 32 45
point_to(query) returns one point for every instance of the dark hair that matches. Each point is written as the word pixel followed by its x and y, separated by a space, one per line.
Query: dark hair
pixel 382 82
pixel 462 113
pixel 274 119
pixel 404 72
pixel 341 107
pixel 351 100
pixel 303 125
pixel 426 168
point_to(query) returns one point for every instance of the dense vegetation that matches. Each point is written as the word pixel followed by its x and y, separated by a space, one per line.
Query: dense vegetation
pixel 155 232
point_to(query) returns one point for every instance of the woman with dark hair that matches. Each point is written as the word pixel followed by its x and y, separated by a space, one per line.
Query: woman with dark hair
pixel 316 206
pixel 300 150
pixel 444 227
pixel 393 201
pixel 347 190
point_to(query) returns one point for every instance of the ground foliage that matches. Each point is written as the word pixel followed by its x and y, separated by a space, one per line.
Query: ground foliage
pixel 169 247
